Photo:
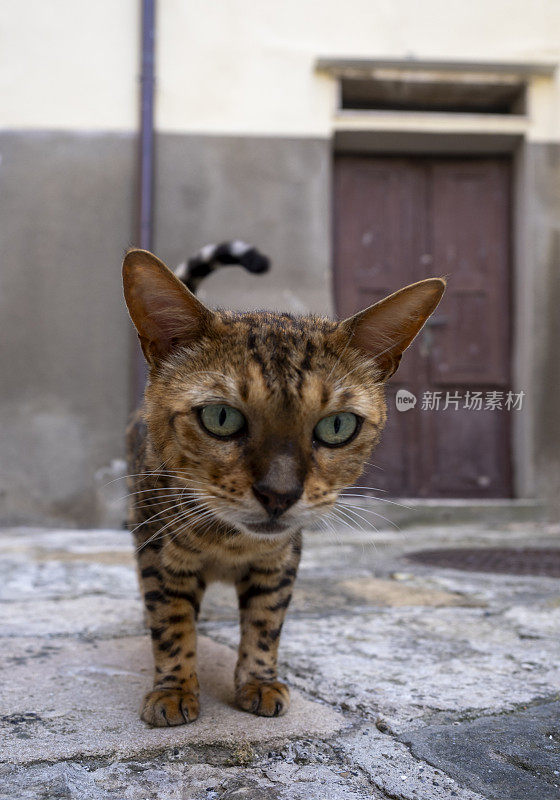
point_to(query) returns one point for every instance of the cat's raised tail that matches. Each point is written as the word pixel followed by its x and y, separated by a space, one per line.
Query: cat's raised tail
pixel 213 256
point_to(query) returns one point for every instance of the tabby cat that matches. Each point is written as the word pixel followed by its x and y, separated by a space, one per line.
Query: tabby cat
pixel 253 423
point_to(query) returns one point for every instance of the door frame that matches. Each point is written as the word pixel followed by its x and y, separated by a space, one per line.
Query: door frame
pixel 524 276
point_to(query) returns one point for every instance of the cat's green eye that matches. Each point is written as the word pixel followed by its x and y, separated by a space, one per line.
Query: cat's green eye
pixel 222 420
pixel 336 429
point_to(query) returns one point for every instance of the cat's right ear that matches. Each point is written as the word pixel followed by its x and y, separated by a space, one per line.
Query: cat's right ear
pixel 386 329
pixel 164 312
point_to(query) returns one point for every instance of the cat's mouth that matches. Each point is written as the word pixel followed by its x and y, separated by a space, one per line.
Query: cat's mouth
pixel 270 526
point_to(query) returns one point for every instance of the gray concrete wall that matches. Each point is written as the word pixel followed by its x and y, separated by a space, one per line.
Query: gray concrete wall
pixel 65 219
pixel 543 225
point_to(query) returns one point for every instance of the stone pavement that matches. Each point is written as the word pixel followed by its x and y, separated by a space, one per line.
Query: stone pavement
pixel 409 681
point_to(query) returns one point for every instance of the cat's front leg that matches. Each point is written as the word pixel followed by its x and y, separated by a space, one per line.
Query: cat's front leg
pixel 264 594
pixel 172 602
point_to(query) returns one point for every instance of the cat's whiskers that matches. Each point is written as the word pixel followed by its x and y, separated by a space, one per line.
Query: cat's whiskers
pixel 207 513
pixel 149 472
pixel 369 488
pixel 146 503
pixel 340 520
pixel 380 499
pixel 153 472
pixel 165 502
pixel 398 530
pixel 223 525
pixel 369 541
pixel 178 471
pixel 353 509
pixel 375 466
pixel 153 537
pixel 161 489
pixel 353 522
pixel 151 519
pixel 168 508
pixel 175 493
pixel 187 519
pixel 329 527
pixel 168 474
pixel 159 533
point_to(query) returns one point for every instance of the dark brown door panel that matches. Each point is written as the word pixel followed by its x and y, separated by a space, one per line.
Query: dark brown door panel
pixel 398 220
pixel 465 453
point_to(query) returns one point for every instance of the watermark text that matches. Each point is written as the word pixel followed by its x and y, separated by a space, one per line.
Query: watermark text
pixel 492 400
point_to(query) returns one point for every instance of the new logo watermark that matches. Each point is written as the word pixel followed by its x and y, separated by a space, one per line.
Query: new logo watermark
pixel 405 400
pixel 472 401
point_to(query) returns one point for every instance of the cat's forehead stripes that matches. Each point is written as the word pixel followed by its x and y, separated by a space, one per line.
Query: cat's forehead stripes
pixel 284 348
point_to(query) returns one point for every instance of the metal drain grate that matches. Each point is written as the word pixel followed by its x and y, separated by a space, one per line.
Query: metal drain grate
pixel 505 560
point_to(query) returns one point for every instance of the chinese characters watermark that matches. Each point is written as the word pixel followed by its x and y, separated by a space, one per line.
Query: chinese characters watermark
pixel 491 400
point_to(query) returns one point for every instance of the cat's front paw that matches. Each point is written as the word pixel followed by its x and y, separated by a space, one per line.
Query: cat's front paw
pixel 164 707
pixel 264 699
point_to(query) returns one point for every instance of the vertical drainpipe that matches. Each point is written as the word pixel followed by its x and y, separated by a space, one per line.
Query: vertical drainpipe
pixel 146 168
pixel 146 126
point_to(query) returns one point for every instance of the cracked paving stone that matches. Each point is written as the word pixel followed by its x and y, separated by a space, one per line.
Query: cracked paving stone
pixel 514 756
pixel 142 780
pixel 397 773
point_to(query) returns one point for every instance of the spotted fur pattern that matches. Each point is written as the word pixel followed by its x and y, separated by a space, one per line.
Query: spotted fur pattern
pixel 194 512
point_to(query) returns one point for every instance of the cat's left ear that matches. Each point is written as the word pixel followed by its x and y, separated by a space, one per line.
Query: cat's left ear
pixel 385 329
pixel 164 312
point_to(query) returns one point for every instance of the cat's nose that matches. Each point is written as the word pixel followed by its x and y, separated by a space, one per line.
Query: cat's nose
pixel 273 501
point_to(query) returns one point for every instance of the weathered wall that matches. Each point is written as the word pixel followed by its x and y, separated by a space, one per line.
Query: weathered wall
pixel 65 220
pixel 543 194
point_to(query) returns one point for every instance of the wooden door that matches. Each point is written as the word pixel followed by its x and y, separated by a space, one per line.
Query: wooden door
pixel 400 220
